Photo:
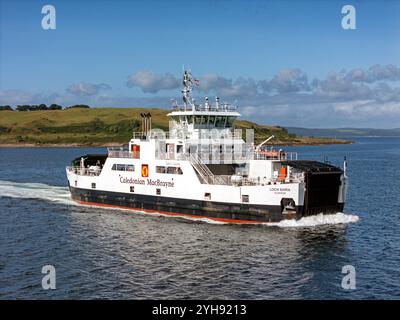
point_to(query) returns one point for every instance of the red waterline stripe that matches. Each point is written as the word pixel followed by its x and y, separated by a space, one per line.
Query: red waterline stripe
pixel 172 214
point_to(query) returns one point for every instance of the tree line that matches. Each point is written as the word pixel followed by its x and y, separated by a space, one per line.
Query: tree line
pixel 27 107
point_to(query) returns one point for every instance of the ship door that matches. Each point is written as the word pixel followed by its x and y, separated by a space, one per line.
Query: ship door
pixel 192 149
pixel 179 151
pixel 170 151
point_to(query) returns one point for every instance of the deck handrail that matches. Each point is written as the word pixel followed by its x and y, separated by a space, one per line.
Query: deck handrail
pixel 84 171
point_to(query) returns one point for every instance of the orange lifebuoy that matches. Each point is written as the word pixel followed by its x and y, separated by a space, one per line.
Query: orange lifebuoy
pixel 145 170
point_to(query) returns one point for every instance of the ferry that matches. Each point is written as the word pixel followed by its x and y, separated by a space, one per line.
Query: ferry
pixel 203 168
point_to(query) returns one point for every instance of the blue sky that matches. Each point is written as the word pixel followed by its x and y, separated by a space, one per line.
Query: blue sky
pixel 283 62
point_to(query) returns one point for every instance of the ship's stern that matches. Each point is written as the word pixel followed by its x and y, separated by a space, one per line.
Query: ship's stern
pixel 325 187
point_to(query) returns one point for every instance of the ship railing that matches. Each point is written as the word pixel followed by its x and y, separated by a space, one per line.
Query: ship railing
pixel 243 155
pixel 233 135
pixel 202 169
pixel 224 107
pixel 119 154
pixel 151 135
pixel 226 157
pixel 227 180
pixel 88 171
pixel 276 155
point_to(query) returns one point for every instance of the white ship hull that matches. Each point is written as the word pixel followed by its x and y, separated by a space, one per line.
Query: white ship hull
pixel 184 194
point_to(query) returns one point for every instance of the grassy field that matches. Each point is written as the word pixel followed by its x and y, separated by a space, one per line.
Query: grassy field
pixel 109 126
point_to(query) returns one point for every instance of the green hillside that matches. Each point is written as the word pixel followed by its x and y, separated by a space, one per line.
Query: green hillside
pixel 103 126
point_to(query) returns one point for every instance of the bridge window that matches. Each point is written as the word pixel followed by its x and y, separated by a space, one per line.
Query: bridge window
pixel 220 122
pixel 211 121
pixel 245 198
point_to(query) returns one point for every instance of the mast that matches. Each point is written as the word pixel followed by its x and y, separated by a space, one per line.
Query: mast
pixel 187 88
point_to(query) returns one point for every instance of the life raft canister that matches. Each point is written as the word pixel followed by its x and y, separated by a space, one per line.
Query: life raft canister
pixel 136 151
pixel 145 170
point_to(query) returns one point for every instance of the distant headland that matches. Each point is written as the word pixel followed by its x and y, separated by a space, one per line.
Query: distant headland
pixel 81 125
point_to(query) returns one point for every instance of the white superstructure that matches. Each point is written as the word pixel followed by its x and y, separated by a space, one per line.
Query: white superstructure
pixel 203 167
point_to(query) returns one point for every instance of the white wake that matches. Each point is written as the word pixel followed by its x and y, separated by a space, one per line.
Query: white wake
pixel 318 220
pixel 62 195
pixel 35 191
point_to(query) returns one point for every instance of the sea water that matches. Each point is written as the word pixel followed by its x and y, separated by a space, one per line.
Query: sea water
pixel 113 253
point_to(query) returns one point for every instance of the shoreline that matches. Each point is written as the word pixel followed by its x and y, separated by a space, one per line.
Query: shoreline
pixel 111 144
pixel 58 145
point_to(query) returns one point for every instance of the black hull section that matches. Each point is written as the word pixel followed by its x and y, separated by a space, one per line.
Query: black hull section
pixel 323 182
pixel 235 213
pixel 322 193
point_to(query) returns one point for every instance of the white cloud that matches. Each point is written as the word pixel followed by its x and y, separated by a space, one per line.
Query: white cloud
pixel 151 82
pixel 249 110
pixel 367 97
pixel 87 89
pixel 286 81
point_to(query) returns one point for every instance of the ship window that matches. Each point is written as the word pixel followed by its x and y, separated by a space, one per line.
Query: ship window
pixel 132 188
pixel 160 169
pixel 207 196
pixel 190 119
pixel 174 170
pixel 76 183
pixel 179 148
pixel 211 120
pixel 171 170
pixel 245 198
pixel 93 185
pixel 219 122
pixel 203 119
pixel 120 167
pixel 123 167
pixel 229 122
pixel 197 119
pixel 158 192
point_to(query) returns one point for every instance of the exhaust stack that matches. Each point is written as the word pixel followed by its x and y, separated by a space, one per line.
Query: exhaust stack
pixel 146 124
